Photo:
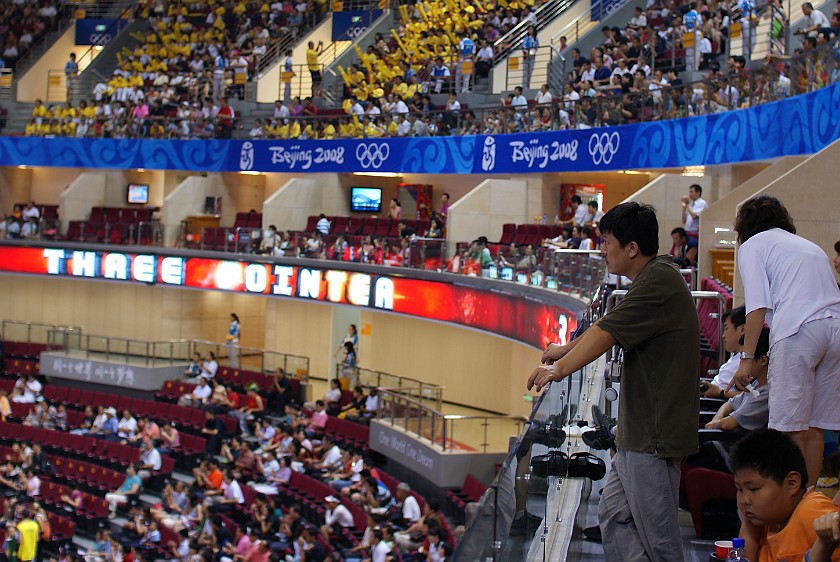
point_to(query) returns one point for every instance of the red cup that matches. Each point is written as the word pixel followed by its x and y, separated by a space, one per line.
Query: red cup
pixel 722 549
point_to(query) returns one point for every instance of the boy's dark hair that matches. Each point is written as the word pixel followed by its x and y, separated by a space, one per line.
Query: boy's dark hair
pixel 593 204
pixel 762 348
pixel 737 315
pixel 576 199
pixel 681 231
pixel 770 453
pixel 697 187
pixel 759 214
pixel 837 246
pixel 633 222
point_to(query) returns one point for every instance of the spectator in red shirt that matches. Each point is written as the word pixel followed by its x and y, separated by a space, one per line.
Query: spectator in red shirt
pixel 224 120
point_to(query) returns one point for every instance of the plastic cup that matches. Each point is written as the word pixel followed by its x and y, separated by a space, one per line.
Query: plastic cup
pixel 722 549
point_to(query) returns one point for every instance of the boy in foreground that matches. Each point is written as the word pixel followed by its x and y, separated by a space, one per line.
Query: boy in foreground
pixel 779 514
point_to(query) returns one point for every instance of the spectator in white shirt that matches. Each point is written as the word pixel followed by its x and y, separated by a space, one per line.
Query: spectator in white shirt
pixel 639 19
pixel 127 425
pixel 518 102
pixel 543 97
pixel 150 460
pixel 210 366
pixel 692 206
pixel 200 394
pixel 410 507
pixel 399 107
pixel 403 126
pixel 30 212
pixel 453 104
pixel 337 516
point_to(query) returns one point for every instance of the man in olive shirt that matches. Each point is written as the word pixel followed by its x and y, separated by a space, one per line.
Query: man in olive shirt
pixel 656 324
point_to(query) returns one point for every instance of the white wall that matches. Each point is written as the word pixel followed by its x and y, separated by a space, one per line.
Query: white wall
pixel 86 191
pixel 486 208
pixel 188 199
pixel 33 84
pixel 289 206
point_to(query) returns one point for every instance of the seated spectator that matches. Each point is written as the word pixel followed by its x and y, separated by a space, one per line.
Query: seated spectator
pixel 73 502
pixel 109 427
pixel 193 370
pixel 778 510
pixel 370 409
pixel 210 366
pixel 199 396
pixel 170 438
pixel 127 425
pixel 317 420
pixel 733 335
pixel 208 477
pixel 337 516
pixel 409 508
pixel 684 249
pixel 747 411
pixel 230 495
pixel 130 487
pixel 330 457
pixel 212 428
pixel 253 407
pixel 279 393
pixel 348 474
pixel 150 460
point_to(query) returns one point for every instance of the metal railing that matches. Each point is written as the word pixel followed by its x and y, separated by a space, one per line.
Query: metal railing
pixel 443 431
pixel 424 392
pixel 565 404
pixel 171 352
pixel 512 40
pixel 35 332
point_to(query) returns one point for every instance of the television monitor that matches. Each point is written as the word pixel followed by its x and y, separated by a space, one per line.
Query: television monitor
pixel 365 199
pixel 138 193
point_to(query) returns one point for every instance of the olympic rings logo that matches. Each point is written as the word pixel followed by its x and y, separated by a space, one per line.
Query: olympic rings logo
pixel 603 147
pixel 372 155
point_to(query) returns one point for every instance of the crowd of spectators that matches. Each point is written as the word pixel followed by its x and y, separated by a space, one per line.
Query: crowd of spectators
pixel 23 223
pixel 22 24
pixel 209 516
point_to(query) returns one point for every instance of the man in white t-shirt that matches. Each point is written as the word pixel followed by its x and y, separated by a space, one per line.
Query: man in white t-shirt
pixel 200 394
pixel 518 102
pixel 788 283
pixel 543 97
pixel 733 333
pixel 692 206
pixel 410 508
pixel 337 516
pixel 580 213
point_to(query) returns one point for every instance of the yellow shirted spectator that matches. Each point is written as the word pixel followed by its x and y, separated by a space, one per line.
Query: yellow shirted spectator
pixel 283 132
pixel 294 130
pixel 310 132
pixel 31 129
pixel 392 128
pixel 329 132
pixel 40 110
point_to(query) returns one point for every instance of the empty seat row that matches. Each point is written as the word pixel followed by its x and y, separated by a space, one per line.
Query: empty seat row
pixel 525 234
pixel 22 349
pixel 120 215
pixel 19 367
pixel 471 491
pixel 248 220
pixel 110 233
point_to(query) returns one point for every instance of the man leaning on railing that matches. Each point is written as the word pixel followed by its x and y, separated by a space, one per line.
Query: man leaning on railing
pixel 656 324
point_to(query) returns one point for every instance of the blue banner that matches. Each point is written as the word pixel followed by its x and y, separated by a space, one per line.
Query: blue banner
pixel 347 26
pixel 602 8
pixel 800 125
pixel 97 31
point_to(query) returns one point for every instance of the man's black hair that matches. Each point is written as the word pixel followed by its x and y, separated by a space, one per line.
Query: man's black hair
pixel 770 453
pixel 837 246
pixel 737 315
pixel 698 188
pixel 760 214
pixel 633 222
pixel 576 199
pixel 593 203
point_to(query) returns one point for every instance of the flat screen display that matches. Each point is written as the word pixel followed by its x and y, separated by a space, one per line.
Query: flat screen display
pixel 138 193
pixel 365 199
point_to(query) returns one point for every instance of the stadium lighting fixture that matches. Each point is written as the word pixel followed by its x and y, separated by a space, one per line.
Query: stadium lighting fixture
pixel 379 174
pixel 694 171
